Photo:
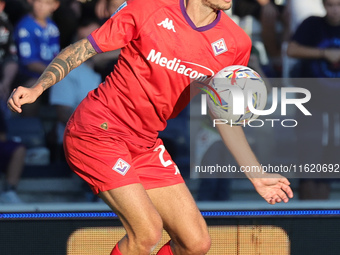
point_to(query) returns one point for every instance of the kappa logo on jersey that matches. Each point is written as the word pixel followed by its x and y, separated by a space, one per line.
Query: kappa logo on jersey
pixel 219 47
pixel 167 23
pixel 192 70
pixel 121 167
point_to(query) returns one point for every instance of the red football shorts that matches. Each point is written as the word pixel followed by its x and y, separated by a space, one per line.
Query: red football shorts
pixel 107 163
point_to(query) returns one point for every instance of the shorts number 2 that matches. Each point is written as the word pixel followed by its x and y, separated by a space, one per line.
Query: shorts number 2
pixel 161 154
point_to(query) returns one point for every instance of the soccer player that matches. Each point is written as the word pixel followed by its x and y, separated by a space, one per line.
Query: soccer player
pixel 111 138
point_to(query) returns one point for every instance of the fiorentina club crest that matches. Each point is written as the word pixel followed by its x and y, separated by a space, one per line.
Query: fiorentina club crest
pixel 219 47
pixel 121 167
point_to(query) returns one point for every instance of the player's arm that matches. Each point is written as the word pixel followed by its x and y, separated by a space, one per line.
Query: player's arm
pixel 274 188
pixel 70 58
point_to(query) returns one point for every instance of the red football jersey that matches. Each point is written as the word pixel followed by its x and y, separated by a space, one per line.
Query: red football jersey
pixel 162 52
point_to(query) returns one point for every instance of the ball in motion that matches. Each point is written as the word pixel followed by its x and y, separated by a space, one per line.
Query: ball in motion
pixel 234 92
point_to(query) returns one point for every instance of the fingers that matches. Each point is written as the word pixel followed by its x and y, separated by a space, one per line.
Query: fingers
pixel 288 190
pixel 284 180
pixel 13 102
pixel 273 200
pixel 280 194
pixel 12 108
pixel 282 197
pixel 16 96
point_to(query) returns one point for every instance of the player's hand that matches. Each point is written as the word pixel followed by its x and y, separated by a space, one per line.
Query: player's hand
pixel 21 96
pixel 274 188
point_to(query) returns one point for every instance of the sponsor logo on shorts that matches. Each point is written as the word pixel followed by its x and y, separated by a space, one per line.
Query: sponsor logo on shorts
pixel 121 167
pixel 219 47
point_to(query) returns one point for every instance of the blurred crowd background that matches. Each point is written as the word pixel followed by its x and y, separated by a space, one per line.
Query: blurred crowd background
pixel 292 40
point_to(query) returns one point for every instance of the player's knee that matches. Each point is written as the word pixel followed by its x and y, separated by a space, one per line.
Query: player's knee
pixel 152 237
pixel 200 245
pixel 149 238
pixel 206 244
pixel 149 242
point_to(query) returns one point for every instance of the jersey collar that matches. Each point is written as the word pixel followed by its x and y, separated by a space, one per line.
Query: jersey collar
pixel 199 29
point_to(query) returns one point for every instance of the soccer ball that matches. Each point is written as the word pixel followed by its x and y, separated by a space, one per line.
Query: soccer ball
pixel 229 92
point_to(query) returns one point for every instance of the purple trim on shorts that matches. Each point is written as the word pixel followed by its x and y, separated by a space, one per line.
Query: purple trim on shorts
pixel 94 44
pixel 199 29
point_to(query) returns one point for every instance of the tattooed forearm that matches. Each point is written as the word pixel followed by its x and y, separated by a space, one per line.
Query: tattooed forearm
pixel 70 58
pixel 83 51
pixel 59 68
pixel 46 81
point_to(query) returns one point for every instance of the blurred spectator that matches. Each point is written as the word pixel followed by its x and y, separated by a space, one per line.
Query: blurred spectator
pixel 16 9
pixel 37 39
pixel 70 91
pixel 302 9
pixel 12 158
pixel 8 57
pixel 270 13
pixel 104 62
pixel 67 17
pixel 12 154
pixel 102 11
pixel 317 44
pixel 70 12
pixel 105 8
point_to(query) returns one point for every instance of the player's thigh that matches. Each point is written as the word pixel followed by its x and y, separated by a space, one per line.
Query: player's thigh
pixel 166 188
pixel 180 214
pixel 135 210
pixel 155 167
